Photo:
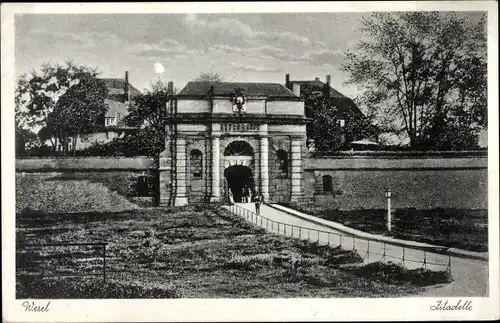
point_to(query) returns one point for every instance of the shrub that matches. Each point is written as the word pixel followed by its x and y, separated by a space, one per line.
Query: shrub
pixel 396 274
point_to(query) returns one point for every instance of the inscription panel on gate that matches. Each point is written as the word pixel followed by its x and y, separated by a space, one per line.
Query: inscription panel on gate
pixel 239 127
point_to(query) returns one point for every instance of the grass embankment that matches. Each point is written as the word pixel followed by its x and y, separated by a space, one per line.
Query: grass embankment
pixel 456 228
pixel 76 192
pixel 193 251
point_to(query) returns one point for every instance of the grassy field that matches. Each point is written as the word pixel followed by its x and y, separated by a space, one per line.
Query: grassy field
pixel 190 252
pixel 458 228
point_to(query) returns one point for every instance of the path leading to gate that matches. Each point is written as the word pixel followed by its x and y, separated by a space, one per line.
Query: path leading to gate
pixel 470 276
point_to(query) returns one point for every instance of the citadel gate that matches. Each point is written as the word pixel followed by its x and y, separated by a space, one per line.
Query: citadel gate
pixel 227 136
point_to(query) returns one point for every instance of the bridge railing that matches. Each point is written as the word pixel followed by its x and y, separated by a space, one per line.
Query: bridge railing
pixel 370 250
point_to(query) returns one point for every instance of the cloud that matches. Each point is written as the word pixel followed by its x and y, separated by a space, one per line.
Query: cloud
pixel 165 49
pixel 81 40
pixel 233 32
pixel 255 68
pixel 321 57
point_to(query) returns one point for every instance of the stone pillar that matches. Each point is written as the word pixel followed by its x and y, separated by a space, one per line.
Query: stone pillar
pixel 296 160
pixel 165 176
pixel 180 189
pixel 215 168
pixel 264 168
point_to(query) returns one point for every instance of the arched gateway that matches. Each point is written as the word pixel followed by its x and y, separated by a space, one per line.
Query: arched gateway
pixel 225 137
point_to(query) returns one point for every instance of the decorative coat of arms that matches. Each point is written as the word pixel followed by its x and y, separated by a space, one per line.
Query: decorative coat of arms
pixel 239 101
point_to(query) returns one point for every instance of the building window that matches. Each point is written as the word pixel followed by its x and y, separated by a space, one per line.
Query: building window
pixel 327 183
pixel 342 123
pixel 196 164
pixel 110 121
pixel 282 163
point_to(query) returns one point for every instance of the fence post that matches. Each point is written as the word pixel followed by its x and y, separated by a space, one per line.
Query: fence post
pixel 308 234
pixel 368 251
pixel 318 236
pixel 104 262
pixel 300 232
pixel 403 256
pixel 340 241
pixel 383 256
pixel 284 229
pixel 449 262
pixel 353 243
pixel 425 259
pixel 328 238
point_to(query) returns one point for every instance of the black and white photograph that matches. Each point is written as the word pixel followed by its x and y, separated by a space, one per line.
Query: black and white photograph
pixel 261 154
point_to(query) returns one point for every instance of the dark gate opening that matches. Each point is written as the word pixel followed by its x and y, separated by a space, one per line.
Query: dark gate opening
pixel 239 178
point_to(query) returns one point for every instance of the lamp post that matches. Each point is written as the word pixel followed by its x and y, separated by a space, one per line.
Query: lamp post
pixel 388 196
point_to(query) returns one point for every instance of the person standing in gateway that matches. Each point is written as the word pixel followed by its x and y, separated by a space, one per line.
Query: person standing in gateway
pixel 258 199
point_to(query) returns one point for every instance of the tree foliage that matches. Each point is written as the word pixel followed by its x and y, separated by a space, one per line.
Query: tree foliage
pixel 149 112
pixel 25 140
pixel 325 130
pixel 426 72
pixel 80 108
pixel 141 142
pixel 207 76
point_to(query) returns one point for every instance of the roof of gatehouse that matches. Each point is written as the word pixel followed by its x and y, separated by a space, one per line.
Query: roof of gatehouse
pixel 268 90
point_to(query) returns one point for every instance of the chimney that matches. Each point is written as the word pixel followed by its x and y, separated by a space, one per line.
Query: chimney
pixel 327 86
pixel 126 89
pixel 296 89
pixel 287 81
pixel 316 79
pixel 170 87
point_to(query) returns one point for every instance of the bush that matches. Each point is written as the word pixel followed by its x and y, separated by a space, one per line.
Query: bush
pixel 136 143
pixel 396 274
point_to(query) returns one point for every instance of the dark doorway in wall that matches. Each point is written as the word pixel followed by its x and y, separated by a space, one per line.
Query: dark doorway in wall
pixel 238 178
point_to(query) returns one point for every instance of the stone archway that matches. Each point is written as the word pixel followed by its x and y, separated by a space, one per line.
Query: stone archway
pixel 240 182
pixel 239 169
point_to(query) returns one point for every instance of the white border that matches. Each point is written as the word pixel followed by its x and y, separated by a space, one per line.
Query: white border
pixel 238 309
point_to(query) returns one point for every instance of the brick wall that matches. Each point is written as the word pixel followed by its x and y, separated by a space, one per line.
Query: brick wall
pixel 423 182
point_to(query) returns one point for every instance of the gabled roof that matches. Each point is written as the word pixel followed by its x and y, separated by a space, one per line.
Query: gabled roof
pixel 116 97
pixel 342 102
pixel 116 109
pixel 269 90
pixel 116 86
pixel 317 85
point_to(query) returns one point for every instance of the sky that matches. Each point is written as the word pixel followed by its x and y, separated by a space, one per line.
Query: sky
pixel 240 47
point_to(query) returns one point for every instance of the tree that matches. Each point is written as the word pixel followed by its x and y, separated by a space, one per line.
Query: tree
pixel 425 71
pixel 325 130
pixel 80 108
pixel 207 76
pixel 37 94
pixel 149 112
pixel 25 139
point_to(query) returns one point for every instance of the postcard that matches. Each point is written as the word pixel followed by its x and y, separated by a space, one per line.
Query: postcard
pixel 270 161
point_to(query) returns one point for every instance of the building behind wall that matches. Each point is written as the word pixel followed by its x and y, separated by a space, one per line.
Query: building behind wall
pixel 228 135
pixel 120 96
pixel 347 110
